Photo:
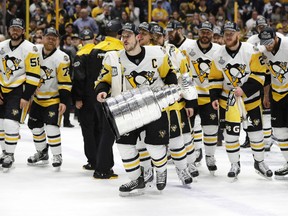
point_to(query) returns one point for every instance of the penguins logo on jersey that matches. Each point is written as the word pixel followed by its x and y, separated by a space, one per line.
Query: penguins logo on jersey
pixel 10 65
pixel 136 79
pixel 235 73
pixel 47 75
pixel 278 70
pixel 162 133
pixel 173 128
pixel 202 68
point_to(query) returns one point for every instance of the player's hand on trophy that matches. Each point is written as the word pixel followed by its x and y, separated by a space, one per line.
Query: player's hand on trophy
pixel 79 104
pixel 23 103
pixel 215 104
pixel 101 97
pixel 62 108
pixel 238 91
pixel 190 112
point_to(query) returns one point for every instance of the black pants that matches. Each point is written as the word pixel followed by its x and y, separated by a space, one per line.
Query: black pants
pixel 104 158
pixel 98 137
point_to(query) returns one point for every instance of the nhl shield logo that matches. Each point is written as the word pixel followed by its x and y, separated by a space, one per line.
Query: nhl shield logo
pixel 221 60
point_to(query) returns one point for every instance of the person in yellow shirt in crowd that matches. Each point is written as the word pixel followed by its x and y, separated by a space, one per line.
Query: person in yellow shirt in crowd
pixel 160 15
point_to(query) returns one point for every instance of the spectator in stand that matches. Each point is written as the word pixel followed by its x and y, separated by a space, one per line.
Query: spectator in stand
pixel 33 6
pixel 84 21
pixel 37 40
pixel 133 12
pixel 40 18
pixel 270 7
pixel 32 28
pixel 76 42
pixel 202 8
pixel 217 38
pixel 245 9
pixel 176 16
pixel 160 15
pixel 251 23
pixel 21 6
pixel 116 12
pixel 104 18
pixel 167 6
pixel 124 18
pixel 11 13
pixel 69 28
pixel 97 10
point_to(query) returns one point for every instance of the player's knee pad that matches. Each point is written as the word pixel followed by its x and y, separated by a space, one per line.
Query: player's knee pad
pixel 210 129
pixel 38 131
pixel 256 136
pixel 280 133
pixel 52 130
pixel 11 126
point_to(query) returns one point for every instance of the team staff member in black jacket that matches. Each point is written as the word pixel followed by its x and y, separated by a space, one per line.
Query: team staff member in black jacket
pixel 98 137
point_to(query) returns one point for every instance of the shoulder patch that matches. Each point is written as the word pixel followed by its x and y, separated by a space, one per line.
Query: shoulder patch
pixel 66 58
pixel 35 49
pixel 256 48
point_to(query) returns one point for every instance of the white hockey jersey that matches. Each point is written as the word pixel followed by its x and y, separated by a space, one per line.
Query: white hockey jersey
pixel 231 70
pixel 200 64
pixel 278 68
pixel 18 65
pixel 150 71
pixel 54 77
pixel 255 40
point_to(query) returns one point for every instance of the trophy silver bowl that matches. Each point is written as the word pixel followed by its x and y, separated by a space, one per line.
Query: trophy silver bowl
pixel 138 107
pixel 135 108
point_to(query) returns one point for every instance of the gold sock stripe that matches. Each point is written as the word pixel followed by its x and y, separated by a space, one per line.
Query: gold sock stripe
pixel 232 146
pixel 257 145
pixel 132 164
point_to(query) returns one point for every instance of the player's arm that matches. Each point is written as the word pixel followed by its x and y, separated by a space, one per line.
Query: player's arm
pixel 256 78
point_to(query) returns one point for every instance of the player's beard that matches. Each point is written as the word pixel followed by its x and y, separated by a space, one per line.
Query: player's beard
pixel 232 43
pixel 15 37
pixel 205 40
pixel 176 39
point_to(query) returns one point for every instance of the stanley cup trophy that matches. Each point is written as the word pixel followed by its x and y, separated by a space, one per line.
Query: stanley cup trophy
pixel 140 106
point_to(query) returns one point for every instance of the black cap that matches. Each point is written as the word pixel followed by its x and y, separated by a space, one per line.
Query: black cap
pixel 157 30
pixel 217 30
pixel 128 27
pixel 267 36
pixel 152 24
pixel 86 34
pixel 113 26
pixel 261 21
pixel 230 26
pixel 144 26
pixel 75 36
pixel 174 24
pixel 206 26
pixel 52 31
pixel 17 22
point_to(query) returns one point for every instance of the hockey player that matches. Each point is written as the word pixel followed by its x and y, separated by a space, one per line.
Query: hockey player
pixel 254 39
pixel 98 138
pixel 276 59
pixel 139 66
pixel 49 101
pixel 179 112
pixel 176 37
pixel 19 78
pixel 237 74
pixel 200 54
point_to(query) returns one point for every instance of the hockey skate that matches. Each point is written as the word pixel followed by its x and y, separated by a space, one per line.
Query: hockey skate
pixel 8 161
pixel 262 169
pixel 211 164
pixel 149 177
pixel 199 156
pixel 161 180
pixel 282 173
pixel 134 187
pixel 193 170
pixel 2 156
pixel 57 162
pixel 184 176
pixel 234 171
pixel 40 158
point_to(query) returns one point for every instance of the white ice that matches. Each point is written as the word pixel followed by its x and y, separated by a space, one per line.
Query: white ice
pixel 41 191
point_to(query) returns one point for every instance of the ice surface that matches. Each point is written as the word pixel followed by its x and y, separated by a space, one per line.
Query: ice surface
pixel 41 191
